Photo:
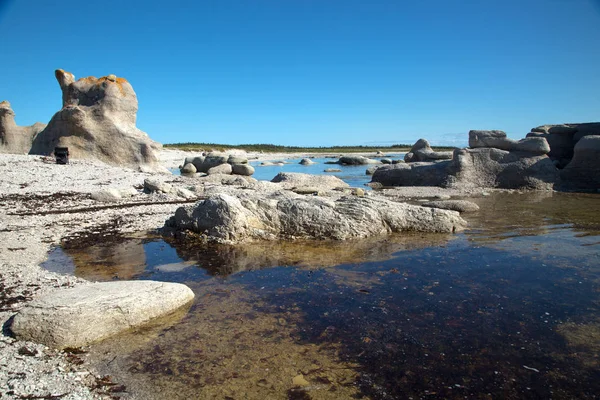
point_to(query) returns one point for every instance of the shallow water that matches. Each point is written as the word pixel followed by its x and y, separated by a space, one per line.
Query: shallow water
pixel 508 309
pixel 353 175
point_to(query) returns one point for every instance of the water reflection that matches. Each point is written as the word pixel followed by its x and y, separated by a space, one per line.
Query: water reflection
pixel 508 309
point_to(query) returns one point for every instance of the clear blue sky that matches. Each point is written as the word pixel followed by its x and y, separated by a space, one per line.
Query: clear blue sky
pixel 313 72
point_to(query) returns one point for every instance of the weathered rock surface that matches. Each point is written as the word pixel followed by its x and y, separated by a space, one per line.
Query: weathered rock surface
pixel 98 121
pixel 422 151
pixel 296 179
pixel 79 316
pixel 472 168
pixel 286 215
pixel 242 169
pixel 583 172
pixel 455 205
pixel 15 139
pixel 498 140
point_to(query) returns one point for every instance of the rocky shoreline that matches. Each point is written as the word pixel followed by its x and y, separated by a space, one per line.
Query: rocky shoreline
pixel 44 203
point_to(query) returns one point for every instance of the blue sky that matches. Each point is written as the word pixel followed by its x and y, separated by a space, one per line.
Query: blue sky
pixel 314 72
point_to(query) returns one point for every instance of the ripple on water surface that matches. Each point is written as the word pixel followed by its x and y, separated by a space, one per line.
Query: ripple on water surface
pixel 508 309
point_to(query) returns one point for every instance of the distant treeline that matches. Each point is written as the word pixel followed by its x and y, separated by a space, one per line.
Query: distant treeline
pixel 272 148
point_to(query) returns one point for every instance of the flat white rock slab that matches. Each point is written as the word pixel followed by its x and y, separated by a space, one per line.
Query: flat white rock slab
pixel 88 313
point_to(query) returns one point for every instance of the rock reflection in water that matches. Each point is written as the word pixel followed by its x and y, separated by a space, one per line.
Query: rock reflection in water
pixel 155 259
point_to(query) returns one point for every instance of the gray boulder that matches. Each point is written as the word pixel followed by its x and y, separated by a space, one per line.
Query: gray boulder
pixel 98 121
pixel 332 170
pixel 188 168
pixel 583 172
pixel 107 195
pixel 243 169
pixel 88 313
pixel 212 160
pixel 422 151
pixel 234 160
pixel 456 205
pixel 322 182
pixel 306 161
pixel 225 169
pixel 15 139
pixel 285 215
pixel 498 140
pixel 356 160
pixel 371 170
pixel 413 174
pixel 197 161
pixel 152 185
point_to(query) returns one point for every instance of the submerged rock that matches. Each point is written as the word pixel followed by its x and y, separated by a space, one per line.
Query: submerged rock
pixel 307 161
pixel 455 205
pixel 356 160
pixel 15 139
pixel 85 314
pixel 98 121
pixel 286 215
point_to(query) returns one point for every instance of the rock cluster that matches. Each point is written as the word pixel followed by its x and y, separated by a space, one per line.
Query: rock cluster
pixel 98 121
pixel 493 161
pixel 15 139
pixel 563 138
pixel 217 163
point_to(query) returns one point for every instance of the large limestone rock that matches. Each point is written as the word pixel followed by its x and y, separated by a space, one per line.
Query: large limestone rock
pixel 583 172
pixel 285 215
pixel 498 140
pixel 15 139
pixel 494 168
pixel 413 174
pixel 79 316
pixel 475 168
pixel 98 121
pixel 422 151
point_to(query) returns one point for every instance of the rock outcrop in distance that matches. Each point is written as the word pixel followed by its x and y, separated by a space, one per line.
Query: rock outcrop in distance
pixel 422 151
pixel 98 121
pixel 284 215
pixel 15 139
pixel 493 161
